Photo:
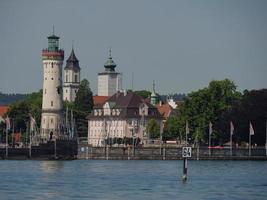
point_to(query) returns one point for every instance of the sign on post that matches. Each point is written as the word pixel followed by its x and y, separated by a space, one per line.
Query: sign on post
pixel 186 152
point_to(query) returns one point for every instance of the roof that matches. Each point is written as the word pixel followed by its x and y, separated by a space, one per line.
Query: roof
pixel 100 100
pixel 110 64
pixel 164 110
pixel 72 62
pixel 53 37
pixel 3 110
pixel 129 105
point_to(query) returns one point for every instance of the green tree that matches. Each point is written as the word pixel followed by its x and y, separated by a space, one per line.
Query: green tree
pixel 83 105
pixel 153 129
pixel 19 111
pixel 207 105
pixel 171 129
pixel 143 93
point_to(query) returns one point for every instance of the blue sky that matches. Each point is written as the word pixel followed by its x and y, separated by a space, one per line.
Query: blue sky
pixel 182 45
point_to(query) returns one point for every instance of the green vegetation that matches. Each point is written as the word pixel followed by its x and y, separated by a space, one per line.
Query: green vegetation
pixel 83 105
pixel 19 111
pixel 143 93
pixel 153 129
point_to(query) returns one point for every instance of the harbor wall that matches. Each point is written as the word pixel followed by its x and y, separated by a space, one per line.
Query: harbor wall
pixel 167 153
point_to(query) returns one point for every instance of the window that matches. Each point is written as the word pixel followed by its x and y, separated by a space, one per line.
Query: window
pixel 75 78
pixel 66 91
pixel 45 91
pixel 52 121
pixel 67 78
pixel 52 64
pixel 52 78
pixel 52 103
pixel 75 91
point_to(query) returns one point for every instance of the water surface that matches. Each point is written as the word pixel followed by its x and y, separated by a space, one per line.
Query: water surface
pixel 90 179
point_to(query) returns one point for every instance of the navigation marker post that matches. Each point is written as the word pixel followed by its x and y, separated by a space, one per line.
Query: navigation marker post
pixel 186 153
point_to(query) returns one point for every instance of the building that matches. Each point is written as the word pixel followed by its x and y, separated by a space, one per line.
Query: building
pixel 52 89
pixel 71 78
pixel 3 110
pixel 124 115
pixel 109 81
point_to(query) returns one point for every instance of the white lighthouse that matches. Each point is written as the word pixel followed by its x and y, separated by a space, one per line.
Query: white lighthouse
pixel 52 89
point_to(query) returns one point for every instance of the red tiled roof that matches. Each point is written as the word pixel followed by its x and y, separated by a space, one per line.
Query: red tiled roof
pixel 99 100
pixel 164 110
pixel 3 110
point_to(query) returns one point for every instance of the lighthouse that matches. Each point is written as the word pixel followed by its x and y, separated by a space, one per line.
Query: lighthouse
pixel 52 89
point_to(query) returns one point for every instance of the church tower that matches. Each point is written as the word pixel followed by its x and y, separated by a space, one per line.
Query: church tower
pixel 52 89
pixel 109 81
pixel 71 78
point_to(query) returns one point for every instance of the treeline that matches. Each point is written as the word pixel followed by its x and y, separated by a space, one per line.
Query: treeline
pixel 32 104
pixel 6 99
pixel 219 104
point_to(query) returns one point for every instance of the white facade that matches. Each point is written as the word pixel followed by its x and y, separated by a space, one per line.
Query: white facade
pixel 71 85
pixel 52 97
pixel 113 120
pixel 109 83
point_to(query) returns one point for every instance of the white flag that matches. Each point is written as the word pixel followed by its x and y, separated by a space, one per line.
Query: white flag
pixel 186 128
pixel 7 120
pixel 33 123
pixel 232 128
pixel 210 128
pixel 251 130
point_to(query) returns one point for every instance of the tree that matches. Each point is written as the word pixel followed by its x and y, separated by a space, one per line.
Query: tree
pixel 171 129
pixel 83 105
pixel 143 93
pixel 19 111
pixel 153 129
pixel 252 108
pixel 207 105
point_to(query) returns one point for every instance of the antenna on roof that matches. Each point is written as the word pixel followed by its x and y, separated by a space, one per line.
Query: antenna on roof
pixel 72 44
pixel 53 30
pixel 153 85
pixel 109 52
pixel 132 81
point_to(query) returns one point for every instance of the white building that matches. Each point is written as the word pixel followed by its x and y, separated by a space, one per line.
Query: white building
pixel 109 81
pixel 52 88
pixel 121 116
pixel 71 78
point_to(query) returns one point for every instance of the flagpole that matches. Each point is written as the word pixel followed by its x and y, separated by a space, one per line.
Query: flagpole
pixel 266 140
pixel 249 148
pixel 209 145
pixel 231 144
pixel 6 143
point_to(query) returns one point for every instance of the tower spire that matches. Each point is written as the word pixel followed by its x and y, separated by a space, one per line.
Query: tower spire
pixel 53 30
pixel 154 86
pixel 109 52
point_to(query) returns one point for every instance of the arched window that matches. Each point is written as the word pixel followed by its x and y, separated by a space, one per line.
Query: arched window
pixel 76 78
pixel 67 78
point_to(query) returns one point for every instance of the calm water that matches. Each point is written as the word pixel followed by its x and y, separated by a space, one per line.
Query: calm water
pixel 86 179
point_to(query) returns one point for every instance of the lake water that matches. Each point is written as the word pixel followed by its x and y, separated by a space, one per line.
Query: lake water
pixel 127 180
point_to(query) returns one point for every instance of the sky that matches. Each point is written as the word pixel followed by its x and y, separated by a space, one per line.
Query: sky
pixel 182 45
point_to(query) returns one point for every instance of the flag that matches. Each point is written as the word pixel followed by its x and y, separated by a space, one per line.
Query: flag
pixel 33 123
pixel 251 130
pixel 210 128
pixel 232 128
pixel 186 128
pixel 7 120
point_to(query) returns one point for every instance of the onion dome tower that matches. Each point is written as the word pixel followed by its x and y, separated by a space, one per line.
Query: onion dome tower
pixel 71 78
pixel 52 89
pixel 109 81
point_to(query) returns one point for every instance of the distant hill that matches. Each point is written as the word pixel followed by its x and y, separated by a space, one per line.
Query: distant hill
pixel 6 99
